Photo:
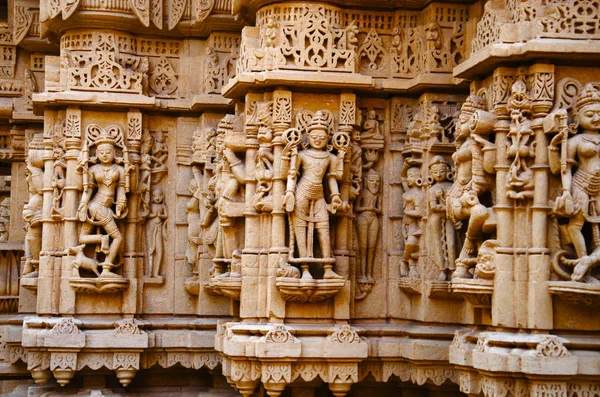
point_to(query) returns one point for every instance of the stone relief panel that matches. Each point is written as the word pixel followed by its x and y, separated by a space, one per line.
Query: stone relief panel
pixel 148 12
pixel 386 45
pixel 117 62
pixel 511 22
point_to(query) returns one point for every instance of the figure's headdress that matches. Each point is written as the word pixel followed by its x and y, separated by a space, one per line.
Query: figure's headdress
pixel 472 104
pixel 587 95
pixel 112 135
pixel 226 124
pixel 319 122
pixel 438 160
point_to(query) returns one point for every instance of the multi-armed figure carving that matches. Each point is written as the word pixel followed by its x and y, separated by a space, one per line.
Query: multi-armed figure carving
pixel 104 200
pixel 578 162
pixel 474 160
pixel 229 174
pixel 312 172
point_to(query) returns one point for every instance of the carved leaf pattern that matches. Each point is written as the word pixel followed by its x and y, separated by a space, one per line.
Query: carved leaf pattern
pixel 163 80
pixel 157 13
pixel 345 335
pixel 141 9
pixel 203 8
pixel 65 326
pixel 279 334
pixel 22 23
pixel 68 7
pixel 175 11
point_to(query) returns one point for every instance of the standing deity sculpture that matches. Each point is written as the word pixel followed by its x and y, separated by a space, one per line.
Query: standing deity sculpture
pixel 414 200
pixel 369 208
pixel 474 160
pixel 32 210
pixel 313 172
pixel 223 201
pixel 443 234
pixel 104 198
pixel 156 232
pixel 578 161
pixel 194 220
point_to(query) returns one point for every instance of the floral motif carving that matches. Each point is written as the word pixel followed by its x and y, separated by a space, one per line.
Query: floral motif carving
pixel 163 79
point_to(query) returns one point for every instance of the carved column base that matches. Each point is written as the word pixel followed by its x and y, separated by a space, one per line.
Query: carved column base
pixel 308 290
pixel 340 389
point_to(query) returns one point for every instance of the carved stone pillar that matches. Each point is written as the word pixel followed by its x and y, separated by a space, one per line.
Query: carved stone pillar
pixel 73 141
pixel 282 120
pixel 132 244
pixel 252 297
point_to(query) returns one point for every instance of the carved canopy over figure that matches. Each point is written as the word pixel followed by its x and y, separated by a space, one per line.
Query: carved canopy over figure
pixel 104 200
pixel 579 166
pixel 312 172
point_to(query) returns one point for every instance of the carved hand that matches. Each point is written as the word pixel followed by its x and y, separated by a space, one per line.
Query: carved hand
pixel 289 201
pixel 82 212
pixel 121 207
pixel 336 203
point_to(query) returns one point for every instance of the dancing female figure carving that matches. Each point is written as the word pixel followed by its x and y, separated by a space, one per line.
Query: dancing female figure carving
pixel 156 232
pixel 304 199
pixel 104 200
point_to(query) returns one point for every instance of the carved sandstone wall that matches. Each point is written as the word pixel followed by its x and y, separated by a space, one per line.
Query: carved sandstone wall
pixel 291 198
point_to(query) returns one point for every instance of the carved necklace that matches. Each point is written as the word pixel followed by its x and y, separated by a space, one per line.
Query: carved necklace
pixel 107 173
pixel 595 139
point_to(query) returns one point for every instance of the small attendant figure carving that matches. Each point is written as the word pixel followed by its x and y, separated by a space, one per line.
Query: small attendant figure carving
pixel 192 210
pixel 371 127
pixel 413 199
pixel 105 185
pixel 368 208
pixel 156 232
pixel 4 219
pixel 58 180
pixel 580 198
pixel 304 199
pixel 442 228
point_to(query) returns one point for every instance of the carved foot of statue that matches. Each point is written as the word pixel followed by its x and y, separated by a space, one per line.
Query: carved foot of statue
pixel 329 274
pixel 403 269
pixel 104 244
pixel 32 274
pixel 106 273
pixel 461 272
pixel 222 275
pixel 584 265
pixel 413 272
pixel 235 275
pixel 306 275
pixel 442 275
